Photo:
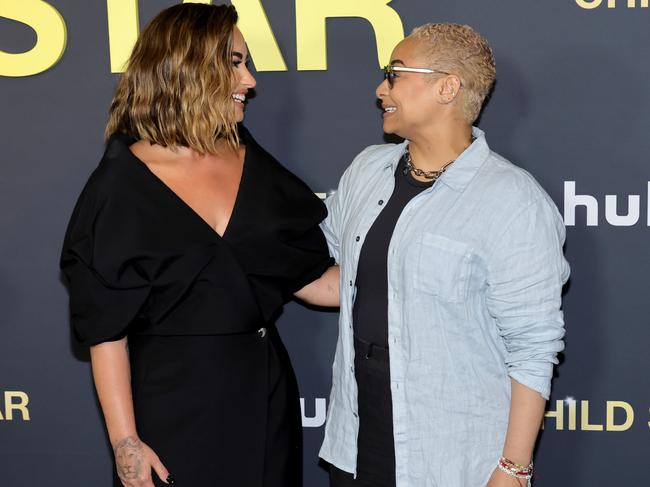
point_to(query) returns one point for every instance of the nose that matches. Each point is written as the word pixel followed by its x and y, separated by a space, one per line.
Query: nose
pixel 248 79
pixel 382 89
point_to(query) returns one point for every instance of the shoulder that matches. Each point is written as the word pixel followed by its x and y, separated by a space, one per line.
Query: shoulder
pixel 118 170
pixel 375 156
pixel 117 163
pixel 368 162
pixel 508 204
pixel 270 170
pixel 277 189
pixel 115 182
pixel 510 183
pixel 364 170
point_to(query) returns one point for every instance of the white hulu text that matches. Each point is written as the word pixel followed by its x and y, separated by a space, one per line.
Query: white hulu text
pixel 612 215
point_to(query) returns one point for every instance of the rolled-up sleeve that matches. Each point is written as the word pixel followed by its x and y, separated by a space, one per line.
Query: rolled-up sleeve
pixel 526 272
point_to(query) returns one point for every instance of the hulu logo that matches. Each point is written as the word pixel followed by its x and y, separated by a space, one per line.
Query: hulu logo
pixel 593 207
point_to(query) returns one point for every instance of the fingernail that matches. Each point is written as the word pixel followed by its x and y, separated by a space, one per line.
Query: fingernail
pixel 170 480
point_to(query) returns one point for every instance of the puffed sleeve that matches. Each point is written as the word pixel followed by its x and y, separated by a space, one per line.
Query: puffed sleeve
pixel 525 278
pixel 275 231
pixel 289 254
pixel 307 257
pixel 106 287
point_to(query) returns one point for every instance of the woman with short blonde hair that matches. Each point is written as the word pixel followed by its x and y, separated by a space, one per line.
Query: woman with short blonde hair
pixel 452 271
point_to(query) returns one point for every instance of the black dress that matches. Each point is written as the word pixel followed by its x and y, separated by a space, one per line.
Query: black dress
pixel 213 389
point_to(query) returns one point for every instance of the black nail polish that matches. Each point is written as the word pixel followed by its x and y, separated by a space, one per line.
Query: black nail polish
pixel 170 480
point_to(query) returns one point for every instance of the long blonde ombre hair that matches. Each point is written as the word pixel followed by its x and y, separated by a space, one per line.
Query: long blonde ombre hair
pixel 178 83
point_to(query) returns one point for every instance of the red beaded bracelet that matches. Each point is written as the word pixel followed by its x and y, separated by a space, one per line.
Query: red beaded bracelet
pixel 515 470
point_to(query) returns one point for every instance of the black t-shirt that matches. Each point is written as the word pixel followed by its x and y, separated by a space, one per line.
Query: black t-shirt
pixel 370 312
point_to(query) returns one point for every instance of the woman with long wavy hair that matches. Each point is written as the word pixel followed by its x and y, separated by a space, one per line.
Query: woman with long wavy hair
pixel 183 246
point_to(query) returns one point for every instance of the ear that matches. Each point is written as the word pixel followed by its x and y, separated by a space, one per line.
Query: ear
pixel 449 87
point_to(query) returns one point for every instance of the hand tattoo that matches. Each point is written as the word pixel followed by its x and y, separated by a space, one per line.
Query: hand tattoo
pixel 128 457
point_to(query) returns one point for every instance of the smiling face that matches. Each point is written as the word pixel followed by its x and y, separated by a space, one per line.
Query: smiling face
pixel 243 79
pixel 187 53
pixel 416 100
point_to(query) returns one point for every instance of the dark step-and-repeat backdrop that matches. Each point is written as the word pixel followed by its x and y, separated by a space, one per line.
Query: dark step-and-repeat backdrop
pixel 571 105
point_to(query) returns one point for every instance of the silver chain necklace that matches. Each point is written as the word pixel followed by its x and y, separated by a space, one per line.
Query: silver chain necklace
pixel 432 175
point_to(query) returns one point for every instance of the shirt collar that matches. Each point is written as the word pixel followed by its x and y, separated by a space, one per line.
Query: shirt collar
pixel 461 172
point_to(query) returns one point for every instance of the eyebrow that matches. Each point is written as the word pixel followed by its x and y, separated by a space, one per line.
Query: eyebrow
pixel 240 56
pixel 397 61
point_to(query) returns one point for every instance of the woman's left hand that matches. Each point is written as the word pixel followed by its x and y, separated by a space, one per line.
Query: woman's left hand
pixel 501 479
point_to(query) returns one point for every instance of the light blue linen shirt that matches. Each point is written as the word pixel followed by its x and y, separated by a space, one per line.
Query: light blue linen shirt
pixel 475 273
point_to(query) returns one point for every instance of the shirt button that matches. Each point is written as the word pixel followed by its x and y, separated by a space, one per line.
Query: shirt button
pixel 350 283
pixel 358 238
pixel 355 414
pixel 352 369
pixel 380 202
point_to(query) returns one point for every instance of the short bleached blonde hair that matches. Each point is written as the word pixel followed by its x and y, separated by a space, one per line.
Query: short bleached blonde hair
pixel 177 87
pixel 460 50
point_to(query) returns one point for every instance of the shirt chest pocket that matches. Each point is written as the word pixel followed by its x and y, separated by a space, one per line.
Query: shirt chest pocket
pixel 444 267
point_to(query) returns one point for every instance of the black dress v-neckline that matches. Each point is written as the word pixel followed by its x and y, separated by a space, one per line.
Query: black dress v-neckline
pixel 186 206
pixel 136 232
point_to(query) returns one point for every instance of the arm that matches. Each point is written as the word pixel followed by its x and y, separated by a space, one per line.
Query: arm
pixel 324 291
pixel 526 413
pixel 526 272
pixel 112 375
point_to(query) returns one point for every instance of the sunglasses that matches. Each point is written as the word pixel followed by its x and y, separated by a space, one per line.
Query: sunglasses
pixel 390 72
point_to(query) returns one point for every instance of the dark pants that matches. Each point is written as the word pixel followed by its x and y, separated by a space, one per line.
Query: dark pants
pixel 376 451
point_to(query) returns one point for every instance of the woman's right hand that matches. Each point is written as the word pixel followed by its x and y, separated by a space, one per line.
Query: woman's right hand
pixel 134 461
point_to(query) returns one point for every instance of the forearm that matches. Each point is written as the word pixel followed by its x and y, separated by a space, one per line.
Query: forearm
pixel 112 376
pixel 526 413
pixel 324 291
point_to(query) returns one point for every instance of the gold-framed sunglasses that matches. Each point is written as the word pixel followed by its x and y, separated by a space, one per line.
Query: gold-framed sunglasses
pixel 390 72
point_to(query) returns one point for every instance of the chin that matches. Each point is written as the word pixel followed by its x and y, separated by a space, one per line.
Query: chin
pixel 388 129
pixel 239 113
